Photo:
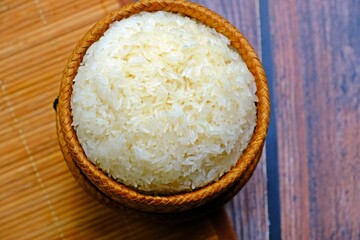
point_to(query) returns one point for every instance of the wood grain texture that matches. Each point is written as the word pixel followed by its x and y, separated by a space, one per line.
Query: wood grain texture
pixel 248 210
pixel 39 198
pixel 316 72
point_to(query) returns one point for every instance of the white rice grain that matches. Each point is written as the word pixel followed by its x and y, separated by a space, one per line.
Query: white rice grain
pixel 162 103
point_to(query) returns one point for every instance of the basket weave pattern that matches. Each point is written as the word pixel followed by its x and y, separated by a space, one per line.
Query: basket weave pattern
pixel 231 182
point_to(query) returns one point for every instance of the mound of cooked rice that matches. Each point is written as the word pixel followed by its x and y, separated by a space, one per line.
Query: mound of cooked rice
pixel 163 103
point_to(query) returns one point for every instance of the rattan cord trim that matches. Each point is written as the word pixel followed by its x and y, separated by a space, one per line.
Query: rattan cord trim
pixel 179 202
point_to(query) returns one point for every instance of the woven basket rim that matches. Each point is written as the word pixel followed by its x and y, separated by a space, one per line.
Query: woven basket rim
pixel 122 193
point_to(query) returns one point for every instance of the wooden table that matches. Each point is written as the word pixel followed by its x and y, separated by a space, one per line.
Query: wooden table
pixel 307 183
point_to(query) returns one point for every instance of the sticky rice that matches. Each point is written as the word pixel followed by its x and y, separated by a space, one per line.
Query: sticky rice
pixel 163 103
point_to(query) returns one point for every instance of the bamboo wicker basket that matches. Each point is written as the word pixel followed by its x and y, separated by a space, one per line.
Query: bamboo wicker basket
pixel 119 196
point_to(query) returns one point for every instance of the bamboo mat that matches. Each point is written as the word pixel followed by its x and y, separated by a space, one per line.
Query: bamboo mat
pixel 39 198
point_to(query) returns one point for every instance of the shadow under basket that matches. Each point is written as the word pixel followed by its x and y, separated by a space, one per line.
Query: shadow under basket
pixel 179 206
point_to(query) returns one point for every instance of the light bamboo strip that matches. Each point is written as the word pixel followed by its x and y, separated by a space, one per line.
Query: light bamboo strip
pixel 32 19
pixel 31 71
pixel 13 144
pixel 96 221
pixel 7 165
pixel 18 153
pixel 43 233
pixel 32 131
pixel 21 167
pixel 25 168
pixel 27 5
pixel 47 90
pixel 29 60
pixel 13 147
pixel 19 5
pixel 29 83
pixel 16 201
pixel 53 11
pixel 9 45
pixel 66 211
pixel 14 150
pixel 26 116
pixel 38 130
pixel 87 205
pixel 37 224
pixel 8 130
pixel 23 174
pixel 28 211
pixel 46 47
pixel 5 117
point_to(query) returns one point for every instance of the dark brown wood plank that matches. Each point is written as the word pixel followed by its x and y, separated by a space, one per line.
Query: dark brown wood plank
pixel 248 210
pixel 316 73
